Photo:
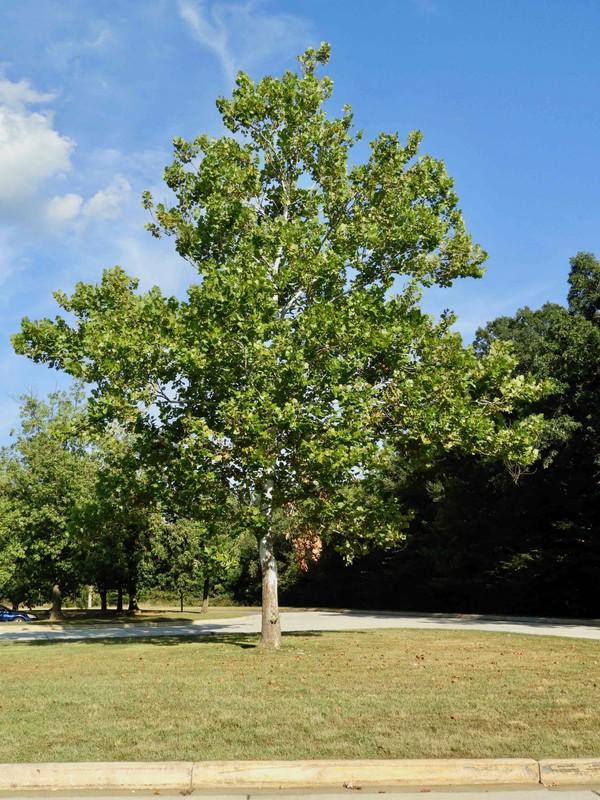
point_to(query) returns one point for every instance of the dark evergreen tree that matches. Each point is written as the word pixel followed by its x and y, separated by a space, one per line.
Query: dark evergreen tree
pixel 487 538
pixel 530 542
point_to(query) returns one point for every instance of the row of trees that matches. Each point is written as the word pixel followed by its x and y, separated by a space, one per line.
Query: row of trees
pixel 299 374
pixel 78 510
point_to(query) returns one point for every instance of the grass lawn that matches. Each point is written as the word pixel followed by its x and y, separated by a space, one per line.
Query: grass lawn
pixel 376 694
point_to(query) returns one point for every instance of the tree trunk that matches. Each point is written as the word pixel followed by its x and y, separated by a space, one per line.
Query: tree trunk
pixel 15 605
pixel 56 613
pixel 133 607
pixel 119 600
pixel 205 593
pixel 271 625
pixel 90 597
pixel 103 605
pixel 181 602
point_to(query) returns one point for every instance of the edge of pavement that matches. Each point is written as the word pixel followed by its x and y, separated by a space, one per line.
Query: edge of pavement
pixel 328 774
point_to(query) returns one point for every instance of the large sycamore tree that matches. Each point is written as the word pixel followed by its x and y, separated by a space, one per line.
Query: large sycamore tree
pixel 301 357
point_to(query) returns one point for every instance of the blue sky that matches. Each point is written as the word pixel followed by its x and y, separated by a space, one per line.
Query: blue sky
pixel 507 92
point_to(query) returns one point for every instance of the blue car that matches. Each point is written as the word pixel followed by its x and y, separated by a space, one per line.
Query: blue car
pixel 6 615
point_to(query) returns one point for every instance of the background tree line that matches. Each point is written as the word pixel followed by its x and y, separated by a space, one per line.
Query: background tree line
pixel 80 509
pixel 484 538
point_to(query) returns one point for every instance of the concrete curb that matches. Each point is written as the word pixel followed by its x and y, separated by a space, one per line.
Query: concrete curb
pixel 381 773
pixel 244 775
pixel 97 775
pixel 569 770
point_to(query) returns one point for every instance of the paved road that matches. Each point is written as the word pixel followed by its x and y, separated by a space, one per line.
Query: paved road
pixel 298 621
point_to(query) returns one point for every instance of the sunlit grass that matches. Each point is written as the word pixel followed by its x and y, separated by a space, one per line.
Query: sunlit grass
pixel 376 694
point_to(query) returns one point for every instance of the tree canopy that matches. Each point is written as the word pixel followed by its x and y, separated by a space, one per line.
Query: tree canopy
pixel 301 358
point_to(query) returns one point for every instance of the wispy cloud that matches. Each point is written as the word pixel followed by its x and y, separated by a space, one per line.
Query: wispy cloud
pixel 241 34
pixel 155 263
pixel 95 41
pixel 101 38
pixel 426 7
pixel 475 306
pixel 8 258
pixel 207 28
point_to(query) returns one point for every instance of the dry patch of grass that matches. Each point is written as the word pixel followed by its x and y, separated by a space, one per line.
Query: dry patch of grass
pixel 376 694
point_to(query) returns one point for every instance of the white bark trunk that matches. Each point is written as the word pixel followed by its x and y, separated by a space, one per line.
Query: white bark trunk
pixel 271 625
pixel 56 610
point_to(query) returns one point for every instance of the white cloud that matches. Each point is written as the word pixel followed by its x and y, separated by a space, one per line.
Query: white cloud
pixel 63 209
pixel 241 34
pixel 18 95
pixel 31 151
pixel 107 204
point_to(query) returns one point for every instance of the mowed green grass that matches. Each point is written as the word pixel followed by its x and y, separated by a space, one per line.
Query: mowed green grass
pixel 376 694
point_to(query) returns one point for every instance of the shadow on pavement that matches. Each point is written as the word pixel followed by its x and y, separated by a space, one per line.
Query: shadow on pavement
pixel 466 619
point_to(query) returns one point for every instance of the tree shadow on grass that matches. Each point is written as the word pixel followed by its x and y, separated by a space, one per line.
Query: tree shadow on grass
pixel 74 618
pixel 245 641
